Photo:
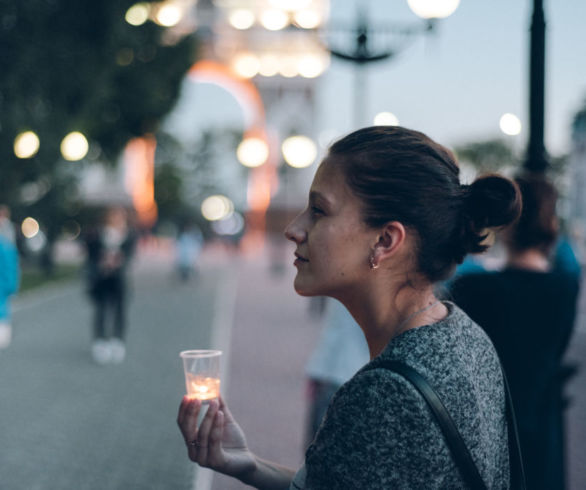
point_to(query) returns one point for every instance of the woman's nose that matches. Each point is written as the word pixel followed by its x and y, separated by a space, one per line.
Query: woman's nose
pixel 295 231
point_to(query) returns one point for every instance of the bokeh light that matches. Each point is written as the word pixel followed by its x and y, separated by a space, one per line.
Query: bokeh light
pixel 241 19
pixel 290 4
pixel 169 15
pixel 288 66
pixel 269 65
pixel 26 145
pixel 138 14
pixel 307 19
pixel 510 124
pixel 252 152
pixel 274 19
pixel 216 207
pixel 230 225
pixel 74 146
pixel 29 227
pixel 310 66
pixel 386 119
pixel 299 151
pixel 246 65
pixel 433 9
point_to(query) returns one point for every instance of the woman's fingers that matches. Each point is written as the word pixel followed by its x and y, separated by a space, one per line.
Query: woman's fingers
pixel 215 440
pixel 224 408
pixel 187 418
pixel 203 434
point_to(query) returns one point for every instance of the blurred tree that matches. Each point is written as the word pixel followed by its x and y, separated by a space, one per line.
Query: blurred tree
pixel 70 65
pixel 488 156
pixel 186 174
pixel 497 155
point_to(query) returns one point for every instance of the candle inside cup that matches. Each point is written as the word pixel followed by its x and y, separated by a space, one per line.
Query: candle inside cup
pixel 202 388
pixel 202 373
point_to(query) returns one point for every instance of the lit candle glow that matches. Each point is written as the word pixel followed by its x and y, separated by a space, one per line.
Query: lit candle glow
pixel 202 388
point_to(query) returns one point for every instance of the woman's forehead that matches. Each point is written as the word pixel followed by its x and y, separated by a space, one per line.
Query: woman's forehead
pixel 330 182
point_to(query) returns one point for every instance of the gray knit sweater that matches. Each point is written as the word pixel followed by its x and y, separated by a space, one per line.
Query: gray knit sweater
pixel 378 432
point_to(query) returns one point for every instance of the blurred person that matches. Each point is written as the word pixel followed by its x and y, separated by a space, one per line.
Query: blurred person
pixel 387 218
pixel 6 226
pixel 340 352
pixel 529 316
pixel 109 250
pixel 187 249
pixel 9 274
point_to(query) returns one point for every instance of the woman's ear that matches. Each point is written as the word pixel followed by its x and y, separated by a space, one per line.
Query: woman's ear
pixel 390 241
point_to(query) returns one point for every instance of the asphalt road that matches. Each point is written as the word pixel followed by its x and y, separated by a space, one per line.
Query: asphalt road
pixel 67 423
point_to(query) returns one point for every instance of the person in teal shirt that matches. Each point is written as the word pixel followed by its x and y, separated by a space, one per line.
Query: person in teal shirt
pixel 9 281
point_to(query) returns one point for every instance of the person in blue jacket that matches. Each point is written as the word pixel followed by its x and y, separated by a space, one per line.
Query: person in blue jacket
pixel 9 275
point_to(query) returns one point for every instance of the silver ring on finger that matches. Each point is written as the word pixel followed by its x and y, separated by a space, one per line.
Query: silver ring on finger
pixel 193 443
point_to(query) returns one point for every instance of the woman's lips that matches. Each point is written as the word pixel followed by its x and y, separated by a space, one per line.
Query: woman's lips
pixel 300 260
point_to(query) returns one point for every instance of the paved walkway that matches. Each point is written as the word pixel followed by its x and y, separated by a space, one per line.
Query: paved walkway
pixel 67 423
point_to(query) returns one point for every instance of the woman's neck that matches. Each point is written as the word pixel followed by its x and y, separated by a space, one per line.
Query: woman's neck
pixel 383 316
pixel 532 259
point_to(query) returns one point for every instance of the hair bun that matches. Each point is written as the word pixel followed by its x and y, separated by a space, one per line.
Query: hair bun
pixel 492 201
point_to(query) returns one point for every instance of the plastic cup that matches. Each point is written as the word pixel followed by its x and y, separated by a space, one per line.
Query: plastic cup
pixel 202 373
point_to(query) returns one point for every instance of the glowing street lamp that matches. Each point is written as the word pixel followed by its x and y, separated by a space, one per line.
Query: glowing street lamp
pixel 433 9
pixel 26 145
pixel 252 152
pixel 299 151
pixel 362 53
pixel 74 146
pixel 386 119
pixel 510 124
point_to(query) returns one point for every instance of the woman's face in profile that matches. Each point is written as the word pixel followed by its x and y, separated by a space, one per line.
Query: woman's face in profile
pixel 333 243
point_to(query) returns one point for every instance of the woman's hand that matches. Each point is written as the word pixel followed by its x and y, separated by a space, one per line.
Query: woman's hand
pixel 219 442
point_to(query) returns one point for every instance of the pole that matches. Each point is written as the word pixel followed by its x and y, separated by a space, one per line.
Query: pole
pixel 536 159
pixel 359 95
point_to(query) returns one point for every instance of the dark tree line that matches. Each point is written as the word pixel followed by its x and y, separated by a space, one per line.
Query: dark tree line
pixel 70 65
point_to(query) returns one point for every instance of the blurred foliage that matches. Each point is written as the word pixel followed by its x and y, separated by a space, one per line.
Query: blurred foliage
pixel 497 155
pixel 186 175
pixel 488 156
pixel 32 278
pixel 70 65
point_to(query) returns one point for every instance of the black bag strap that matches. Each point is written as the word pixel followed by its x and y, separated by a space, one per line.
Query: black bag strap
pixel 515 455
pixel 458 448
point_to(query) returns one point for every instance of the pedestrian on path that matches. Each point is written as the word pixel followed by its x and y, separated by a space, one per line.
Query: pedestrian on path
pixel 188 247
pixel 387 218
pixel 530 320
pixel 109 250
pixel 9 274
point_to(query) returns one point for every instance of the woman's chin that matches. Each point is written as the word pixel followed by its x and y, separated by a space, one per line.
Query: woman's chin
pixel 302 289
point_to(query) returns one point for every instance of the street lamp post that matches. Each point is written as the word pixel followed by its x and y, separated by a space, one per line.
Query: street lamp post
pixel 362 54
pixel 536 158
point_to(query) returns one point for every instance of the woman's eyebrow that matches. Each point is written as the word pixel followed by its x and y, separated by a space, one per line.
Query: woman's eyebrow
pixel 318 196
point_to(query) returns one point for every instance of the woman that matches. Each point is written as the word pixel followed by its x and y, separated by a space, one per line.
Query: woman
pixel 529 318
pixel 387 218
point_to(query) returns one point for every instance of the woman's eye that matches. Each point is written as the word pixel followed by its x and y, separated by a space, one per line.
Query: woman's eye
pixel 315 211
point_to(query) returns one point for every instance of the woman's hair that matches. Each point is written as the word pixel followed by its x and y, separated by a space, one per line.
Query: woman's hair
pixel 403 175
pixel 537 227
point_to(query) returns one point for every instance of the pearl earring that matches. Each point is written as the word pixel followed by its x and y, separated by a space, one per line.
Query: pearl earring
pixel 373 265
